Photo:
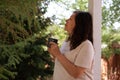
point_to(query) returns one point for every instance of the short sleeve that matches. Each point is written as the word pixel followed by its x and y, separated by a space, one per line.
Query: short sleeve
pixel 85 56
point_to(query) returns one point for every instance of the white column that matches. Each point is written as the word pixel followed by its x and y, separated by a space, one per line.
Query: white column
pixel 95 10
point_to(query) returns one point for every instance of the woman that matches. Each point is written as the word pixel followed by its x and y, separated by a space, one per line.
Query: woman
pixel 74 61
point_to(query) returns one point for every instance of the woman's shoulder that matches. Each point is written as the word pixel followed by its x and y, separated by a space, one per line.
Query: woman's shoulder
pixel 86 43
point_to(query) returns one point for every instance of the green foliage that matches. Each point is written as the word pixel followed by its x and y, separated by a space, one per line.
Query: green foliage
pixel 108 38
pixel 23 40
pixel 114 11
pixel 57 32
pixel 74 5
pixel 17 20
pixel 110 35
pixel 110 14
pixel 4 73
pixel 80 5
pixel 27 59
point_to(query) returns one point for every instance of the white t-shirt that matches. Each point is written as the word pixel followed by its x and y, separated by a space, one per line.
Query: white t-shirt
pixel 82 56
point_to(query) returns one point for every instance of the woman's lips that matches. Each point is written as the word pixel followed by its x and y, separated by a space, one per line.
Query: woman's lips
pixel 66 24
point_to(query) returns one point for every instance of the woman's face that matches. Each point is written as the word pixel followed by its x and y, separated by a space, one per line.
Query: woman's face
pixel 70 24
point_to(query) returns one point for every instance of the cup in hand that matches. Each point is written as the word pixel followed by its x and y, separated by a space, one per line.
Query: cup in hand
pixel 52 40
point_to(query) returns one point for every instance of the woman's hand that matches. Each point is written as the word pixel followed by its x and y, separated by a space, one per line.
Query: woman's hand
pixel 54 49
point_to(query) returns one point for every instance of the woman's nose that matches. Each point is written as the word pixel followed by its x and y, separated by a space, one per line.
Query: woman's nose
pixel 67 20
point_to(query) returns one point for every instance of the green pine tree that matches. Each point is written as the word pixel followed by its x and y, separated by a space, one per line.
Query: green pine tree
pixel 23 40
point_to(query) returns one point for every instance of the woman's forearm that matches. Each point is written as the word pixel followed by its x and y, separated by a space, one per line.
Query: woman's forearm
pixel 72 69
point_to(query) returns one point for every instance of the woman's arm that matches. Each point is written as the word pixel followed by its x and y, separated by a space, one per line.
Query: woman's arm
pixel 73 70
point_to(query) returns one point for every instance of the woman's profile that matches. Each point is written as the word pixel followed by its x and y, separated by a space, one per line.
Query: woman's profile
pixel 75 59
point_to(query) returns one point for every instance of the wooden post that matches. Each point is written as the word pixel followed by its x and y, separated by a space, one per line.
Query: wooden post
pixel 94 7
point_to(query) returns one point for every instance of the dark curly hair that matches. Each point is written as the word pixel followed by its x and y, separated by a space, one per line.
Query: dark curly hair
pixel 83 29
